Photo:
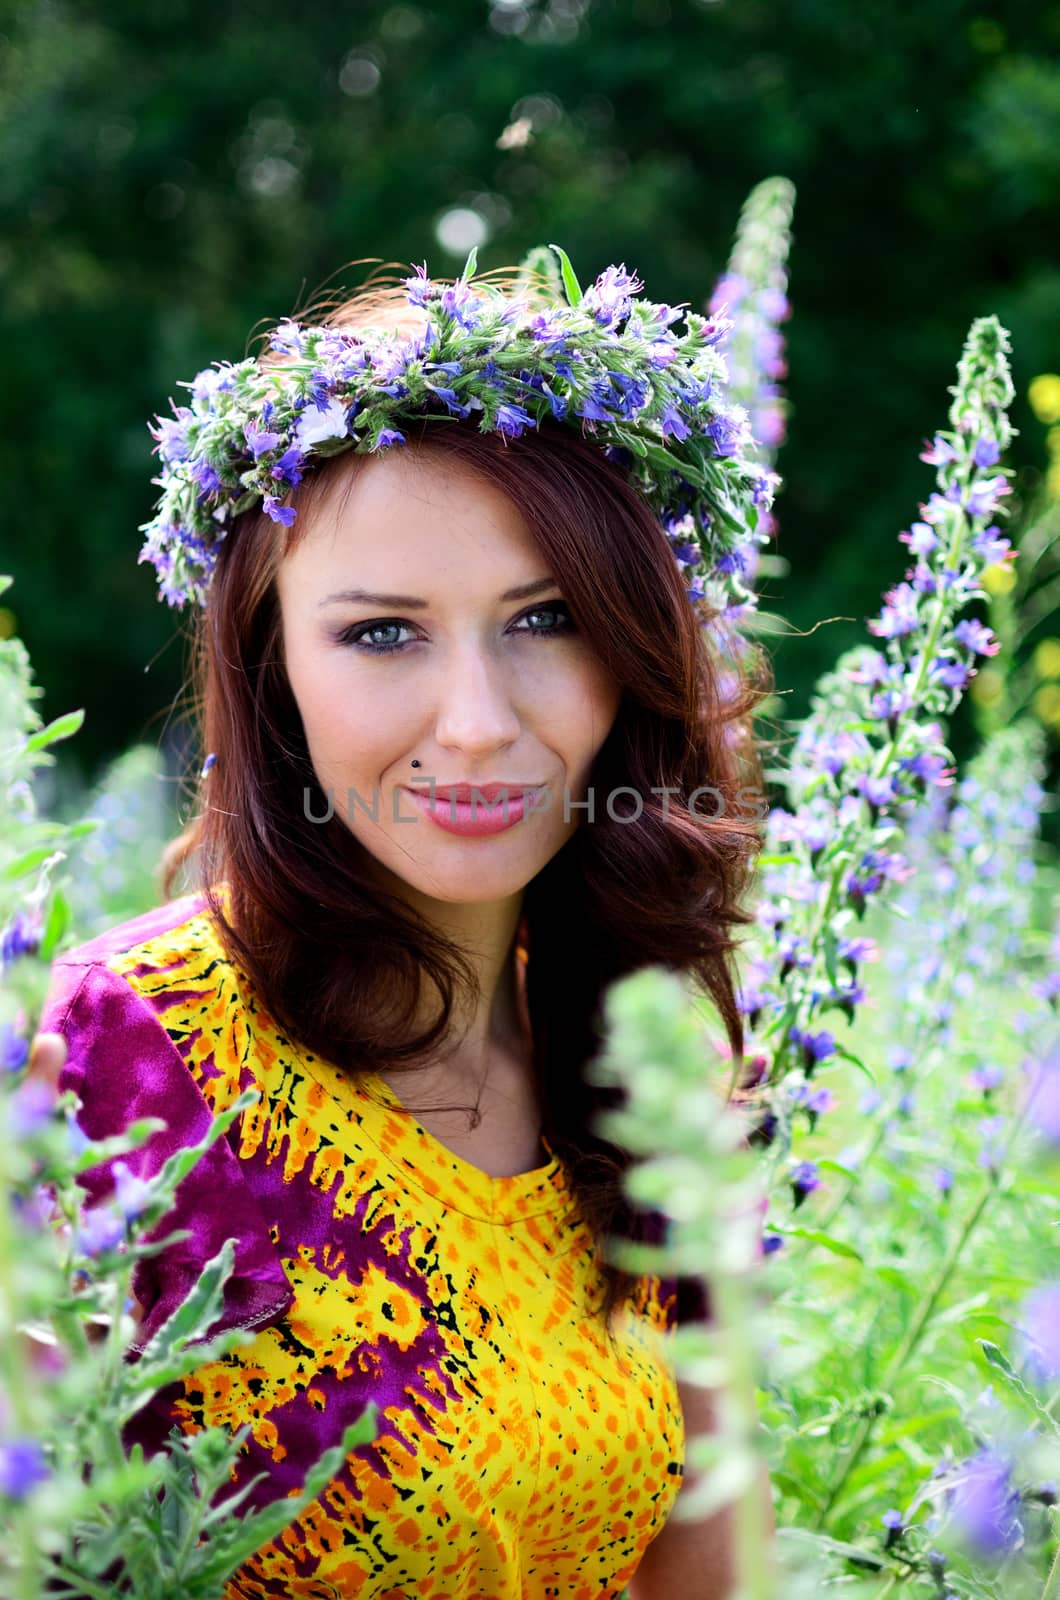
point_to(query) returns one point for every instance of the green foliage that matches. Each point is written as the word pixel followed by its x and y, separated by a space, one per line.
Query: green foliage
pixel 171 177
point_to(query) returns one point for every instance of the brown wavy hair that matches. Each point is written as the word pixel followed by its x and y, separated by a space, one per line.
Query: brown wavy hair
pixel 338 961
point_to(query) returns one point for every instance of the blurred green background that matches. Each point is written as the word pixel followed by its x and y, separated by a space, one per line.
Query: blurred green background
pixel 172 173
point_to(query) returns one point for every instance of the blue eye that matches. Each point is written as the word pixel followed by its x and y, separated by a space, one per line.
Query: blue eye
pixel 358 633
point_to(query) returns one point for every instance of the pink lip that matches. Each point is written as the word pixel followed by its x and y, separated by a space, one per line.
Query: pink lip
pixel 474 819
pixel 462 792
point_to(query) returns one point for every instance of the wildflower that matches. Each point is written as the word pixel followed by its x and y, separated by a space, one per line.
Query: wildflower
pixel 804 1180
pixel 984 1505
pixel 278 513
pixel 326 422
pixel 133 1194
pixel 387 437
pixel 14 1049
pixel 513 420
pixel 289 467
pixel 22 1466
pixel 987 1078
pixel 30 1108
pixel 816 1047
pixel 771 1243
pixel 942 1178
pixel 260 440
pixel 892 1521
pixel 975 637
pixel 991 1129
pixel 1040 1323
pixel 21 937
pixel 101 1229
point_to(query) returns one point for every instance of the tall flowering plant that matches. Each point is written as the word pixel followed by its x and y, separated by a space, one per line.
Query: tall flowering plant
pixel 874 745
pixel 163 1526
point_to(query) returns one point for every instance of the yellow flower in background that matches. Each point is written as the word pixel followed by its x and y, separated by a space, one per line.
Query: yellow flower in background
pixel 1044 396
pixel 987 687
pixel 1047 658
pixel 1047 704
pixel 998 579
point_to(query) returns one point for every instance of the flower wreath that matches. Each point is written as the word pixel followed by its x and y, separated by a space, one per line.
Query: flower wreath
pixel 604 361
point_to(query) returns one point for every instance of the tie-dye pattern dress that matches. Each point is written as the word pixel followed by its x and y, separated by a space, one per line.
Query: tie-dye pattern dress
pixel 518 1453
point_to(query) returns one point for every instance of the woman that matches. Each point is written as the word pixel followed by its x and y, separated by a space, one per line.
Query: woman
pixel 461 715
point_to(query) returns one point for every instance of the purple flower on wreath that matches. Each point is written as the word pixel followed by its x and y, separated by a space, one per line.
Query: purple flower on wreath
pixel 259 440
pixel 387 437
pixel 278 513
pixel 673 425
pixel 287 338
pixel 609 298
pixel 725 432
pixel 771 1243
pixel 512 420
pixel 207 477
pixel 171 435
pixel 450 399
pixel 289 467
pixel 460 302
pixel 417 287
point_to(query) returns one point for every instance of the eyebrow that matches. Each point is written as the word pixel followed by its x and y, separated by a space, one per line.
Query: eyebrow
pixel 524 591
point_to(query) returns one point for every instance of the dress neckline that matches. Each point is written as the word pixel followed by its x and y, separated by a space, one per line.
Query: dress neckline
pixel 423 1160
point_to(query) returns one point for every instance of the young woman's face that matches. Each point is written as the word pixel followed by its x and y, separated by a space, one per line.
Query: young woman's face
pixel 439 665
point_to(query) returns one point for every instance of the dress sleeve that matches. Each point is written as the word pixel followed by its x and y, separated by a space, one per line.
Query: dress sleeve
pixel 123 1065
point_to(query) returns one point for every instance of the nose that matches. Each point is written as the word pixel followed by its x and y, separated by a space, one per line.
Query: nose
pixel 476 712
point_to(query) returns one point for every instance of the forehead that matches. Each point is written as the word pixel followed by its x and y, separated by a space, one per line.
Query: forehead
pixel 409 510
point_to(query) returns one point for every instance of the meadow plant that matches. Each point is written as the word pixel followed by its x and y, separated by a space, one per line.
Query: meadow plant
pixel 77 1515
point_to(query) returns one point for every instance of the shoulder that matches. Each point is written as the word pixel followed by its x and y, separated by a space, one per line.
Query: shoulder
pixel 148 1005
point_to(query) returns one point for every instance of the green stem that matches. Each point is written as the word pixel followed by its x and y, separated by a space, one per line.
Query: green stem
pixel 912 1339
pixel 1052 1582
pixel 752 1539
pixel 16 1379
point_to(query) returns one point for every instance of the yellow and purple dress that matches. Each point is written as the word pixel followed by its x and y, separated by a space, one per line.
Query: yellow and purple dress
pixel 518 1456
